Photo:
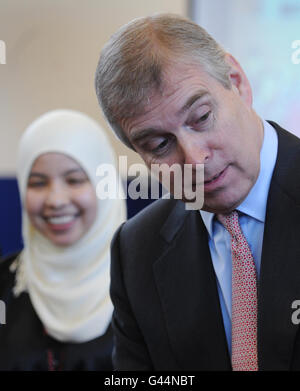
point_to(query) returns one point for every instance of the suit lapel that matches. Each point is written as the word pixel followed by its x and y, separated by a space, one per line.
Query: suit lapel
pixel 279 283
pixel 187 287
pixel 186 281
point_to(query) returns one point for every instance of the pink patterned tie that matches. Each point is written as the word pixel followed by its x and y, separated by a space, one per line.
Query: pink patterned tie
pixel 244 297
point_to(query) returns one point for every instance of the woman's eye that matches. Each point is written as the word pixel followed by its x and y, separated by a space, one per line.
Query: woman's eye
pixel 36 184
pixel 76 181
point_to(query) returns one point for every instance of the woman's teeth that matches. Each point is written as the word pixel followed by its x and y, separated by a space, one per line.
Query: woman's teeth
pixel 61 219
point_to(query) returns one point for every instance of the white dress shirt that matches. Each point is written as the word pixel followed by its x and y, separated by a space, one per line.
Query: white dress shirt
pixel 252 222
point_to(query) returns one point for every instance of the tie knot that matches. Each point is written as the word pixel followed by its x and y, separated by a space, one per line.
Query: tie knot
pixel 231 222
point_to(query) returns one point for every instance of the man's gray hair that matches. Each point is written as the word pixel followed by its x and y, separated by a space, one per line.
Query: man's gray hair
pixel 132 62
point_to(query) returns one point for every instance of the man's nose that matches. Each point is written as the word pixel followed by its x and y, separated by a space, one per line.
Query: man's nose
pixel 194 151
pixel 57 196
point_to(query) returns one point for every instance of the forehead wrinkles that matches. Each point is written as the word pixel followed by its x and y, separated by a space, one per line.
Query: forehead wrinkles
pixel 155 102
pixel 171 91
pixel 175 86
pixel 158 114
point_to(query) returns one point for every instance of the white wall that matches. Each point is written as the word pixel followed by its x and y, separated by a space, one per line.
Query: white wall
pixel 261 35
pixel 52 49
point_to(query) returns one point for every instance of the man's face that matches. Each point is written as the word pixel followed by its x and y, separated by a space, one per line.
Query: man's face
pixel 198 121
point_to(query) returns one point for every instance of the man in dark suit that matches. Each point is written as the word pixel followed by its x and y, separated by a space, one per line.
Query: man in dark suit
pixel 210 289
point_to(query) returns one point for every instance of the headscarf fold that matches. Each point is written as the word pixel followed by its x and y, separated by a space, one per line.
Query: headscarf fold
pixel 69 286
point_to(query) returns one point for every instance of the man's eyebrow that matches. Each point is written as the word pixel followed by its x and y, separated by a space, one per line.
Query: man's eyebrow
pixel 140 134
pixel 198 95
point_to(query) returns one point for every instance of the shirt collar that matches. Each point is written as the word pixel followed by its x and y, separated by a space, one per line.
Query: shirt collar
pixel 255 203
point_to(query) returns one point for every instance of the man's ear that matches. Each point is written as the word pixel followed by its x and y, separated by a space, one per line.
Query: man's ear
pixel 239 80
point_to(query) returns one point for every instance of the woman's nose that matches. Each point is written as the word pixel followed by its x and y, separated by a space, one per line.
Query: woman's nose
pixel 57 197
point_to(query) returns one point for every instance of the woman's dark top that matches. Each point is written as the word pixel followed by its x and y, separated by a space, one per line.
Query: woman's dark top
pixel 25 346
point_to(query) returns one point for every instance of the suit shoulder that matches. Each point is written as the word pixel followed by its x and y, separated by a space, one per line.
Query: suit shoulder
pixel 150 218
pixel 287 167
pixel 140 235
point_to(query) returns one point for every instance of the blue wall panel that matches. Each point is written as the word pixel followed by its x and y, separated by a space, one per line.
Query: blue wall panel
pixel 10 215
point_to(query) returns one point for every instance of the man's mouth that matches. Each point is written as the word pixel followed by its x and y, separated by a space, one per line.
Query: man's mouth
pixel 214 177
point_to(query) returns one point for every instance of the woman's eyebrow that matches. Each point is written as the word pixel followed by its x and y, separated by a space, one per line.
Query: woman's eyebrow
pixel 68 172
pixel 37 174
pixel 74 170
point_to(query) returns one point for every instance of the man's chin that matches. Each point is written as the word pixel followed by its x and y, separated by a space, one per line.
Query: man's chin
pixel 193 203
pixel 221 207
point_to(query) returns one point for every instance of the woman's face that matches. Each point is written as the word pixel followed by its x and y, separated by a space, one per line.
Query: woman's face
pixel 60 200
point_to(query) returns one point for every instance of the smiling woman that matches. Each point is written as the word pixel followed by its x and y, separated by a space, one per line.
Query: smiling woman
pixel 58 286
pixel 60 199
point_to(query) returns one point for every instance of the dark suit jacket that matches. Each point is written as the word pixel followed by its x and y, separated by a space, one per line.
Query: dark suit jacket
pixel 167 312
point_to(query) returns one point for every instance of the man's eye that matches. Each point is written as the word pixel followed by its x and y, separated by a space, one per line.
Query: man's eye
pixel 161 147
pixel 203 118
